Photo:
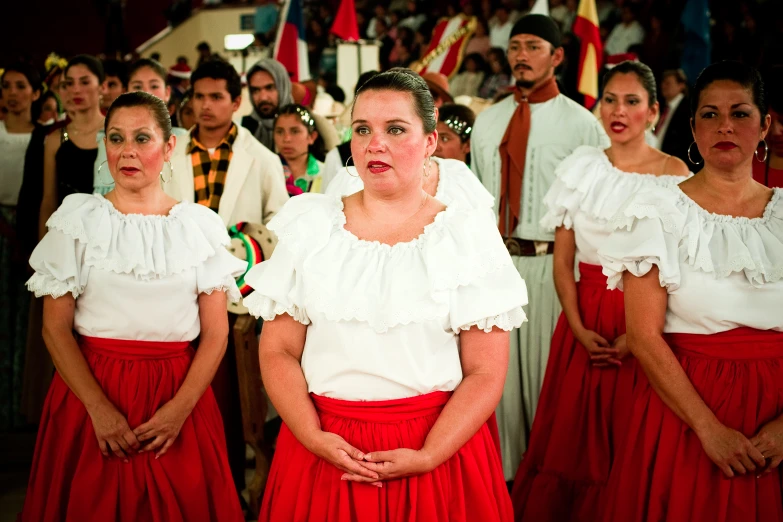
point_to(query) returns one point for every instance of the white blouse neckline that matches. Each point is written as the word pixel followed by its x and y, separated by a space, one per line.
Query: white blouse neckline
pixel 416 242
pixel 739 220
pixel 172 213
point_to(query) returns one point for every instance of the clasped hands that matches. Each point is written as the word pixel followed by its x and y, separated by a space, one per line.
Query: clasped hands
pixel 115 435
pixel 736 454
pixel 601 351
pixel 370 468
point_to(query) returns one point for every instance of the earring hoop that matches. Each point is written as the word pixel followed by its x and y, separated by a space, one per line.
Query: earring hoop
pixel 427 167
pixel 689 153
pixel 766 152
pixel 348 170
pixel 171 173
pixel 98 175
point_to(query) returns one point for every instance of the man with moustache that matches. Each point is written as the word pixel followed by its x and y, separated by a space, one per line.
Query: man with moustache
pixel 270 88
pixel 516 145
pixel 222 166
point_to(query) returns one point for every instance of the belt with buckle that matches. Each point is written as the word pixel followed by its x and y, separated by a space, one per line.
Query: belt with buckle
pixel 527 248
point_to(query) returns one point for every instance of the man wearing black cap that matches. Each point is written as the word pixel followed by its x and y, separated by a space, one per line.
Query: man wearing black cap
pixel 516 145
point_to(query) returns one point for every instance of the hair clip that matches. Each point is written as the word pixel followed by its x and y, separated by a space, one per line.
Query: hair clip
pixel 306 117
pixel 460 126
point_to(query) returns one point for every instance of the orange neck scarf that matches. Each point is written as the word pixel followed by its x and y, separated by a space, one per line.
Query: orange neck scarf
pixel 513 149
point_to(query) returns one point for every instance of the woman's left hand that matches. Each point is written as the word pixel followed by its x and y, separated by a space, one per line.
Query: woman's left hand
pixel 394 464
pixel 769 441
pixel 162 429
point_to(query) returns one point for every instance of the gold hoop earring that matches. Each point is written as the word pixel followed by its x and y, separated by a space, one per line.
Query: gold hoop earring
pixel 689 153
pixel 98 175
pixel 171 173
pixel 766 152
pixel 348 170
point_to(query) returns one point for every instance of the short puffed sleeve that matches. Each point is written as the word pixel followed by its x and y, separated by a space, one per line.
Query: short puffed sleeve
pixel 647 231
pixel 219 272
pixel 470 261
pixel 277 283
pixel 59 266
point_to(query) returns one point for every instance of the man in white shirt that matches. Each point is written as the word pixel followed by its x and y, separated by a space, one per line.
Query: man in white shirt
pixel 499 32
pixel 625 34
pixel 673 131
pixel 516 145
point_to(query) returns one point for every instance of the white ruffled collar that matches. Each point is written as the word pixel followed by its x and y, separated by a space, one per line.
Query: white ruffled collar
pixel 147 246
pixel 769 210
pixel 588 182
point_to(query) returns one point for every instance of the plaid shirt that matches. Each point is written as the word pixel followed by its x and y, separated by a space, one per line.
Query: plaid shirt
pixel 209 171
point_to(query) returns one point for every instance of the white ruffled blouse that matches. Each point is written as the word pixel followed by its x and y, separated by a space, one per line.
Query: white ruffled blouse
pixel 721 272
pixel 384 321
pixel 587 193
pixel 456 183
pixel 133 276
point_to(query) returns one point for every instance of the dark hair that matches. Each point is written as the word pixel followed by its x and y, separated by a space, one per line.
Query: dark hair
pixel 366 75
pixel 500 54
pixel 91 62
pixel 773 81
pixel 117 69
pixel 459 118
pixel 643 73
pixel 219 70
pixel 156 67
pixel 318 148
pixel 203 46
pixel 156 106
pixel 478 59
pixel 745 75
pixel 404 80
pixel 26 70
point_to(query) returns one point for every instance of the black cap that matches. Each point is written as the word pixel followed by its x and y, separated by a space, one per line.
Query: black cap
pixel 538 25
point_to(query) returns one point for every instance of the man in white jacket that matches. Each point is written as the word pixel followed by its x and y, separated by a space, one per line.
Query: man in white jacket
pixel 220 164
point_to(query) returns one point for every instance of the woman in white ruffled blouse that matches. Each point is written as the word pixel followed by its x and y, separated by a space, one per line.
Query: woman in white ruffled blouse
pixel 386 338
pixel 130 429
pixel 702 268
pixel 586 395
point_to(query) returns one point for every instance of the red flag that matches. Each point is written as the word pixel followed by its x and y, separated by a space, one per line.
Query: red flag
pixel 345 25
pixel 591 55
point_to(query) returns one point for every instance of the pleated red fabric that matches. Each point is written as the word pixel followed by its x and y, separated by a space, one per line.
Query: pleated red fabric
pixel 663 474
pixel 72 481
pixel 466 488
pixel 581 418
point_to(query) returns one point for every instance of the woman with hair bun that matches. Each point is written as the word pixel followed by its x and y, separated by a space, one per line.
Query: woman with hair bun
pixel 385 342
pixel 130 429
pixel 700 266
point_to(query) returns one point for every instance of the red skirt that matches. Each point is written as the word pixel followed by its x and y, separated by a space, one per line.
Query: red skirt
pixel 581 417
pixel 466 488
pixel 663 473
pixel 71 480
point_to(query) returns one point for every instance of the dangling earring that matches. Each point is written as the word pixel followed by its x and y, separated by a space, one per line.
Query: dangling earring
pixel 689 153
pixel 427 168
pixel 171 173
pixel 766 152
pixel 349 170
pixel 111 182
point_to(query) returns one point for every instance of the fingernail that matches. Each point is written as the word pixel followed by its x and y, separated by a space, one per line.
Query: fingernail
pixel 157 457
pixel 360 456
pixel 379 485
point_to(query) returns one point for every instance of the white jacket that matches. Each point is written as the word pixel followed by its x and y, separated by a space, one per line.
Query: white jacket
pixel 255 184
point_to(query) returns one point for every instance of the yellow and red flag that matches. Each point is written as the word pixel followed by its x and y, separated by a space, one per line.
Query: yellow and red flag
pixel 586 27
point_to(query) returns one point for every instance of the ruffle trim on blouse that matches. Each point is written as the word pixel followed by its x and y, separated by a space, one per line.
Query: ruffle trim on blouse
pixel 712 243
pixel 229 286
pixel 460 180
pixel 262 306
pixel 149 247
pixel 507 321
pixel 458 248
pixel 45 284
pixel 588 182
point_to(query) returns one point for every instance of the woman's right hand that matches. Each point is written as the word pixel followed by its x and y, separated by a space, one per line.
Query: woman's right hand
pixel 113 432
pixel 600 351
pixel 333 449
pixel 731 451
